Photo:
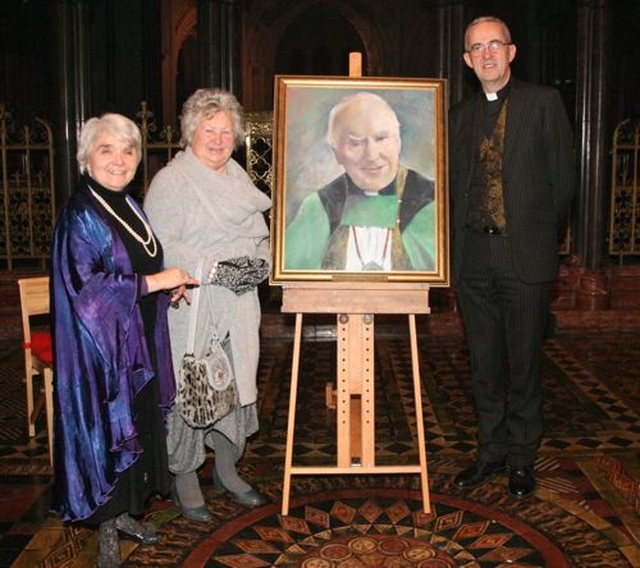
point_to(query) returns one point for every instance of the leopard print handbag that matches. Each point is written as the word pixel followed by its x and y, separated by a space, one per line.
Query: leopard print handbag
pixel 207 389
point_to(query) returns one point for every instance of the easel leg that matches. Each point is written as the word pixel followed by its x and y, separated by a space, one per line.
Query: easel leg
pixel 422 449
pixel 355 391
pixel 348 441
pixel 367 392
pixel 288 458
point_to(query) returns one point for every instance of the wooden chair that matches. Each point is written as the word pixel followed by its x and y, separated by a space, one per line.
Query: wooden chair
pixel 38 359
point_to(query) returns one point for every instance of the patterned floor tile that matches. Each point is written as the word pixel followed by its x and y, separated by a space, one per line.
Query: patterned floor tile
pixel 584 512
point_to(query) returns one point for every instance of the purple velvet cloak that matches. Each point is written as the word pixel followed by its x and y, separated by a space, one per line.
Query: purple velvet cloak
pixel 100 356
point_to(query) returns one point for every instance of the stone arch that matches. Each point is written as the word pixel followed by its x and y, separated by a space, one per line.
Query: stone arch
pixel 180 23
pixel 265 27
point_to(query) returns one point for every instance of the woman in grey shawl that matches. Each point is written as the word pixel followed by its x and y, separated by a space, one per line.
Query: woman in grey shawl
pixel 205 208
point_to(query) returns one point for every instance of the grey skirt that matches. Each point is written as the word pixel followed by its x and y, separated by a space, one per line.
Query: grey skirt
pixel 187 446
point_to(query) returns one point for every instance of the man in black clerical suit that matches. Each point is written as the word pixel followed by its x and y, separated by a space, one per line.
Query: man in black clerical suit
pixel 512 179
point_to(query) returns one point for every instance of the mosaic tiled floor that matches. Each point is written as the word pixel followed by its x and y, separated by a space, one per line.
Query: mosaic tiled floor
pixel 584 513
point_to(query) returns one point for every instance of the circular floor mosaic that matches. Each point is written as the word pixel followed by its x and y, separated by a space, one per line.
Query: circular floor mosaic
pixel 386 527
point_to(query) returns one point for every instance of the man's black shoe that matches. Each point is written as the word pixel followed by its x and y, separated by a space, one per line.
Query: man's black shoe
pixel 478 473
pixel 522 482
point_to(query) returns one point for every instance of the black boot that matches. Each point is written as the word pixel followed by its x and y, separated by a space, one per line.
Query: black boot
pixel 108 545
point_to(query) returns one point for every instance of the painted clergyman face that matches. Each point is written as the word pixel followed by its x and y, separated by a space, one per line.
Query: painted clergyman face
pixel 366 142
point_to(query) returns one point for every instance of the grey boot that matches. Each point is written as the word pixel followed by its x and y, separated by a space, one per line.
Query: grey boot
pixel 108 545
pixel 139 532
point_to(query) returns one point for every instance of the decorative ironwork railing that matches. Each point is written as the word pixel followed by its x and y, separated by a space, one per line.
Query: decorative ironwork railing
pixel 259 149
pixel 27 200
pixel 159 144
pixel 624 215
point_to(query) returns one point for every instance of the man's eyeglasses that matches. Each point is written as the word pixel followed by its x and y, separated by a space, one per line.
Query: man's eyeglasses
pixel 494 46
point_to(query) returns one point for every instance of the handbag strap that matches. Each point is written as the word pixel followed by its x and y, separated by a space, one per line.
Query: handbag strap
pixel 195 306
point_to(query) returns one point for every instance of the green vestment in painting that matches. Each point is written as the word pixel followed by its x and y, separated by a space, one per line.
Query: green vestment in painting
pixel 317 236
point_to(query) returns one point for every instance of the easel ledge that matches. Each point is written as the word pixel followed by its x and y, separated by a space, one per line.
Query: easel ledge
pixel 356 297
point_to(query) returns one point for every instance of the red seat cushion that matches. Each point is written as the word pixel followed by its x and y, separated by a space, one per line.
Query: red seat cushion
pixel 41 346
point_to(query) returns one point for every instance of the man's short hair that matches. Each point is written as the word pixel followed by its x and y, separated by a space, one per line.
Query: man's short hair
pixel 485 19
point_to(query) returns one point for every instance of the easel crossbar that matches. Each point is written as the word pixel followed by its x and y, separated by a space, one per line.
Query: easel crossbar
pixel 353 470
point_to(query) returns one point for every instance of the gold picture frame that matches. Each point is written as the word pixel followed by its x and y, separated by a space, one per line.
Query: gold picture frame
pixel 361 184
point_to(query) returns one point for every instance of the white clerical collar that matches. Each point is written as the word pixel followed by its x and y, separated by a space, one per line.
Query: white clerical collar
pixel 491 96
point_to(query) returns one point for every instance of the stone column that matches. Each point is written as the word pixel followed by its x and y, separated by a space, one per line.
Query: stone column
pixel 451 25
pixel 452 22
pixel 592 148
pixel 219 41
pixel 73 94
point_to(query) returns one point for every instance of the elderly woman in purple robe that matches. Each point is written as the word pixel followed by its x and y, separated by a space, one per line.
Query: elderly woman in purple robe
pixel 114 381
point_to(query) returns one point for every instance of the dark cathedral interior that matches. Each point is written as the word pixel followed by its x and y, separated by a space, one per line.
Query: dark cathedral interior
pixel 64 61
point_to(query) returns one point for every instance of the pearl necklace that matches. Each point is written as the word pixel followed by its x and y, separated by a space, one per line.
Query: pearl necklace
pixel 151 240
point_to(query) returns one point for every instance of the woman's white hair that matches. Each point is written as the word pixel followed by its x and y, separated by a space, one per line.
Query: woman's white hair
pixel 205 103
pixel 120 126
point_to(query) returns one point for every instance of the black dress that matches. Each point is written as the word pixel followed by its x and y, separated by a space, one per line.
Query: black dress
pixel 149 475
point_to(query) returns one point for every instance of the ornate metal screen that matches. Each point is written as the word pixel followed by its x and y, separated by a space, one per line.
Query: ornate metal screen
pixel 624 218
pixel 259 149
pixel 27 200
pixel 159 144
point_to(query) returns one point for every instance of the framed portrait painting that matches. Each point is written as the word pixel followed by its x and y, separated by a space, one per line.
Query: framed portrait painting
pixel 361 188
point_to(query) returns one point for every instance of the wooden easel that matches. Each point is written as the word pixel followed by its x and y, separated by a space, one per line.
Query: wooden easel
pixel 355 305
